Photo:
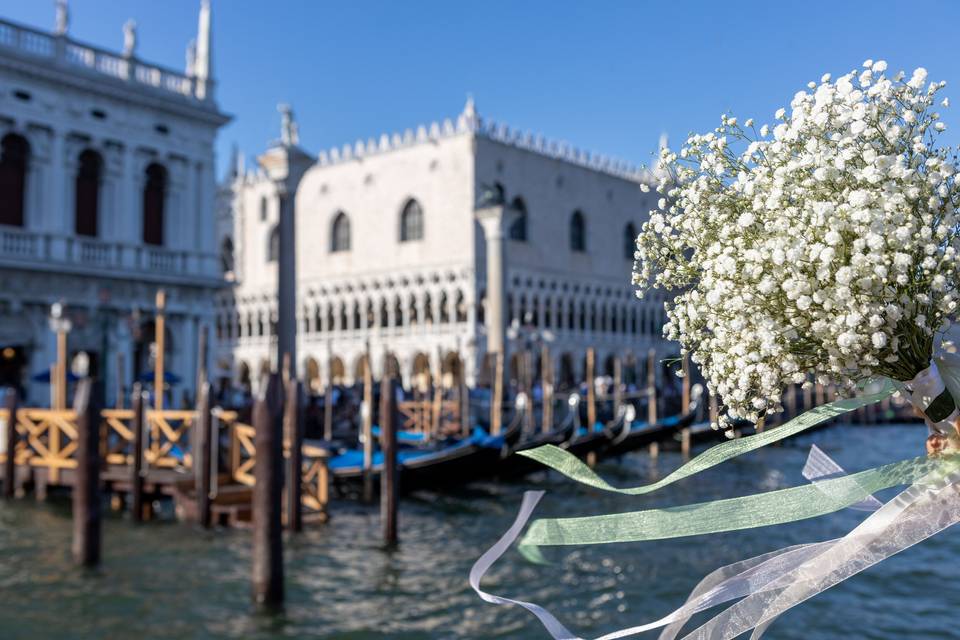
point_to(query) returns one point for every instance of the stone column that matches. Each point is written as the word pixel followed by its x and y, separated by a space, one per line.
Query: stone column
pixel 287 282
pixel 491 218
pixel 55 213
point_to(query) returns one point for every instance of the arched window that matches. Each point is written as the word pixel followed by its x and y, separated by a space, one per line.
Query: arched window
pixel 411 222
pixel 444 308
pixel 154 194
pixel 412 318
pixel 340 233
pixel 371 316
pixel 273 244
pixel 461 307
pixel 384 315
pixel 518 228
pixel 629 241
pixel 397 312
pixel 226 255
pixel 263 208
pixel 427 310
pixel 14 153
pixel 578 232
pixel 87 193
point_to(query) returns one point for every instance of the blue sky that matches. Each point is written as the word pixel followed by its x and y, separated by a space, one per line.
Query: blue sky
pixel 606 76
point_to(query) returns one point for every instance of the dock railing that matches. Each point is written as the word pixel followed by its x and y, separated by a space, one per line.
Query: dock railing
pixel 47 438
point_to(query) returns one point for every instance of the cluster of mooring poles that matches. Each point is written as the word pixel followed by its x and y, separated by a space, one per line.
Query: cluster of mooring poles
pixel 90 447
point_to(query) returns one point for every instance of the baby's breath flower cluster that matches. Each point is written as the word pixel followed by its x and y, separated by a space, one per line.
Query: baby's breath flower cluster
pixel 824 248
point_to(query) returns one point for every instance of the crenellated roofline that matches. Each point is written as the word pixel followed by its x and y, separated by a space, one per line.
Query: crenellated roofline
pixel 469 123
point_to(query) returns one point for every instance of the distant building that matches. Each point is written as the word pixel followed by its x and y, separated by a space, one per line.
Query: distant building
pixel 107 193
pixel 392 261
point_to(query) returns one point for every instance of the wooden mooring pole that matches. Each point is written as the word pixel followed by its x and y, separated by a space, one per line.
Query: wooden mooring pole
pixel 203 436
pixel 10 432
pixel 367 425
pixel 546 375
pixel 159 337
pixel 651 386
pixel 136 468
pixel 86 488
pixel 293 419
pixel 267 493
pixel 389 474
pixel 685 385
pixel 591 389
pixel 496 402
pixel 202 456
pixel 617 384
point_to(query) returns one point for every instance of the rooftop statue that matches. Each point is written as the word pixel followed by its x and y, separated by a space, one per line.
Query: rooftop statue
pixel 129 38
pixel 62 19
pixel 289 130
pixel 490 195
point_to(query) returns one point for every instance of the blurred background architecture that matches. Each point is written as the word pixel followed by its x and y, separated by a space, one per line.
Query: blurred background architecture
pixel 392 257
pixel 106 194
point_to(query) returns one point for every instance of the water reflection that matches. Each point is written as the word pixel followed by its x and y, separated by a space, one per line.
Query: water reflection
pixel 166 580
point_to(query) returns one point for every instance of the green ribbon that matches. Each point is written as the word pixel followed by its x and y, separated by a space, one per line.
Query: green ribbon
pixel 571 466
pixel 759 510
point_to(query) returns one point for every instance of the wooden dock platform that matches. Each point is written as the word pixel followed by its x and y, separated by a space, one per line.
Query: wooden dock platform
pixel 45 451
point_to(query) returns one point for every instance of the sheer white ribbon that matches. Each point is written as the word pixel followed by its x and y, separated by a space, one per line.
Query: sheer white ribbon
pixel 773 582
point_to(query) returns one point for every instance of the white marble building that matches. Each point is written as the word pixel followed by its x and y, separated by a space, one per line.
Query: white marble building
pixel 391 258
pixel 107 193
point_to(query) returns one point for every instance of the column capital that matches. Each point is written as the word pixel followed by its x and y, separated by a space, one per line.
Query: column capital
pixel 491 218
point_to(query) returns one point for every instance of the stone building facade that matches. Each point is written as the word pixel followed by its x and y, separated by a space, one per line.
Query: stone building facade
pixel 392 260
pixel 107 193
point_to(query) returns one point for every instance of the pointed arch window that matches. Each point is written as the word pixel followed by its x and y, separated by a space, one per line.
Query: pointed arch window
pixel 578 232
pixel 518 228
pixel 411 222
pixel 87 193
pixel 384 314
pixel 629 241
pixel 397 312
pixel 461 307
pixel 226 255
pixel 154 196
pixel 340 233
pixel 14 154
pixel 273 244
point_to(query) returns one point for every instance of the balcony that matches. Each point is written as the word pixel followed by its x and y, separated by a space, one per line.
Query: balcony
pixel 25 249
pixel 76 57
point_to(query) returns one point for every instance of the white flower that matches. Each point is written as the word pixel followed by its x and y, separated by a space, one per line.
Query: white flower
pixel 836 240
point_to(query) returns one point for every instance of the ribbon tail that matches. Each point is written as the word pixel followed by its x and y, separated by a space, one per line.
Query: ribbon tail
pixel 820 466
pixel 569 465
pixel 764 509
pixel 924 509
pixel 494 553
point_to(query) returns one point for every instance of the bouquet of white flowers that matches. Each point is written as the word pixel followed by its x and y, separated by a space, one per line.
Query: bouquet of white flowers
pixel 824 249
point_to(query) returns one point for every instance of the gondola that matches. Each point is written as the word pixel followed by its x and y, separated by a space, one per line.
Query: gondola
pixel 636 435
pixel 583 440
pixel 514 466
pixel 439 464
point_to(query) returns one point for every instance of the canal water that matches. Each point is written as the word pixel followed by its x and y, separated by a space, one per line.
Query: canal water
pixel 166 580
